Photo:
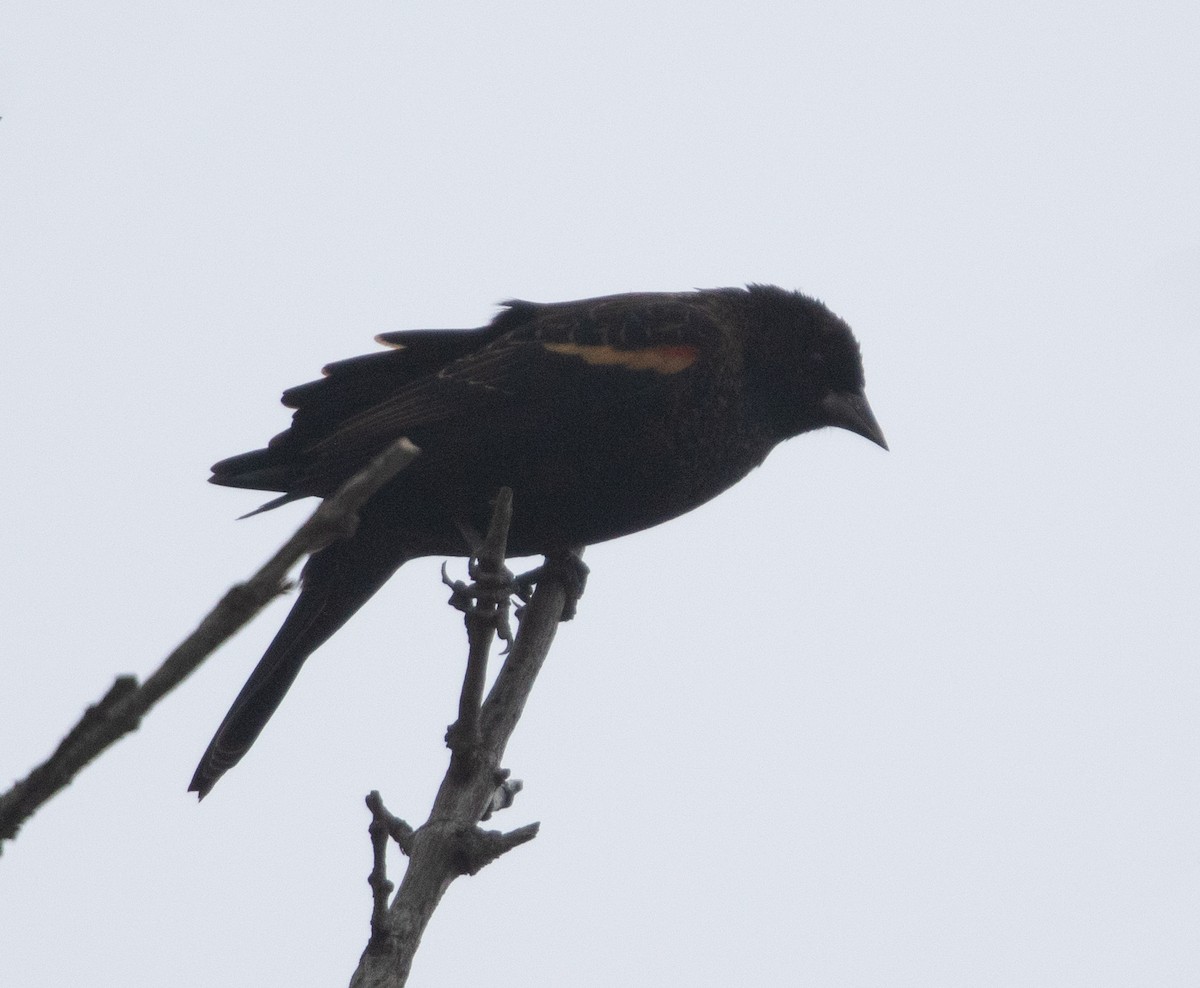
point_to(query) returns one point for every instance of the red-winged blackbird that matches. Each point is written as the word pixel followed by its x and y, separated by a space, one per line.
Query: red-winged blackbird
pixel 605 416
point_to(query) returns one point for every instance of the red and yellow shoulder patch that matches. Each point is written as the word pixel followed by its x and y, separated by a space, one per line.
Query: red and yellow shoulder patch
pixel 661 359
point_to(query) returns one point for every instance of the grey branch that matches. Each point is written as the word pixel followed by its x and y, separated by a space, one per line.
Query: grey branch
pixel 451 843
pixel 122 708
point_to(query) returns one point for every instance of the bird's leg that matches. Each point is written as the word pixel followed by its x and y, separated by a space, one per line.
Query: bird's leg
pixel 568 567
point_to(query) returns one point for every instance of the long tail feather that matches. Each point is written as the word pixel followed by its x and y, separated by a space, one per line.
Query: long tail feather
pixel 335 583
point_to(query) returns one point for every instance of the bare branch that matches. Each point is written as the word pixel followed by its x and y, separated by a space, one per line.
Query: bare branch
pixel 393 826
pixel 383 826
pixel 122 708
pixel 450 843
pixel 485 606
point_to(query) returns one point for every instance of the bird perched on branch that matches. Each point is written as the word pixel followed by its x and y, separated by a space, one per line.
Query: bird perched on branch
pixel 604 416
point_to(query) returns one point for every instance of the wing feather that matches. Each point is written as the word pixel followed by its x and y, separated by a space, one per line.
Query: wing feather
pixel 533 365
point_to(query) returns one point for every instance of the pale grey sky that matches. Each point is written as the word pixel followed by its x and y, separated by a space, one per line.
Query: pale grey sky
pixel 925 718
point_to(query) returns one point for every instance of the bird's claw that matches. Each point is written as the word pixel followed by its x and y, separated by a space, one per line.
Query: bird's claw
pixel 487 596
pixel 568 568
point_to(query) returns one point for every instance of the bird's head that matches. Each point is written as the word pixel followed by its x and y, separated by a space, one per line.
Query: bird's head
pixel 807 365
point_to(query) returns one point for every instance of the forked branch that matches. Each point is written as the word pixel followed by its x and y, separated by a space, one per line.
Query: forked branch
pixel 451 843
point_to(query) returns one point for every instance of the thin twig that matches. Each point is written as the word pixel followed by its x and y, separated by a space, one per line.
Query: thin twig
pixel 383 826
pixel 122 708
pixel 485 605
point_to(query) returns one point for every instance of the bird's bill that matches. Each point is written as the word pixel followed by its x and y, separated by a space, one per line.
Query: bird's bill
pixel 849 410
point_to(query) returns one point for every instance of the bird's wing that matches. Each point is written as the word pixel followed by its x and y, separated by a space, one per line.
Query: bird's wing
pixel 556 357
pixel 535 365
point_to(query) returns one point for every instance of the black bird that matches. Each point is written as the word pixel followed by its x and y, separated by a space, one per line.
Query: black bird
pixel 605 416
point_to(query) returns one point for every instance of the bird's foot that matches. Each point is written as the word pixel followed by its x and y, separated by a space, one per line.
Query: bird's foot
pixel 488 596
pixel 566 567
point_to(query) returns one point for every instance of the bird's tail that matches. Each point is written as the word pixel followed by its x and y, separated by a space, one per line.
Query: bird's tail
pixel 335 583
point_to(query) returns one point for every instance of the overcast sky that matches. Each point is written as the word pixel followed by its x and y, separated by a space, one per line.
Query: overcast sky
pixel 920 718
